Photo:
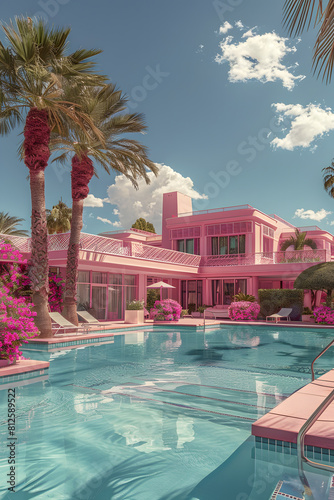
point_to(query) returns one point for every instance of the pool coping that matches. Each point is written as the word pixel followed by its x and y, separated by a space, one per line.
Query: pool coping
pixel 22 370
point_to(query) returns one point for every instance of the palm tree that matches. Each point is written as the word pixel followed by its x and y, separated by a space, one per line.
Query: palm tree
pixel 125 156
pixel 8 225
pixel 297 14
pixel 328 175
pixel 299 241
pixel 33 69
pixel 58 220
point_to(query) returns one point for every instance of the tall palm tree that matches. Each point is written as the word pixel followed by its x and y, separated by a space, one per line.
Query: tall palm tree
pixel 298 14
pixel 299 241
pixel 58 220
pixel 328 175
pixel 125 156
pixel 34 66
pixel 8 225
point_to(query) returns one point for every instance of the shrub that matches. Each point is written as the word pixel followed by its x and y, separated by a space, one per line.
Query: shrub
pixel 166 310
pixel 135 305
pixel 202 308
pixel 152 296
pixel 324 314
pixel 272 300
pixel 191 308
pixel 244 297
pixel 307 310
pixel 184 312
pixel 243 310
pixel 16 315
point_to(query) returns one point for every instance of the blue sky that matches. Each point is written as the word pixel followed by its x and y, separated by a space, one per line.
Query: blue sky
pixel 242 122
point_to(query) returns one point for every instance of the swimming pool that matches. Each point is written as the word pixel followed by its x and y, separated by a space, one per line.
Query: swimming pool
pixel 157 415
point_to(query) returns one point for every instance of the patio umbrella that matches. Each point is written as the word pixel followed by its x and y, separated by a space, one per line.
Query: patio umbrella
pixel 160 285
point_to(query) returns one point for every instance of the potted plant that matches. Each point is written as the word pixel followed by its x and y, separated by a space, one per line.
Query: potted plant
pixel 134 312
pixel 201 309
pixel 307 315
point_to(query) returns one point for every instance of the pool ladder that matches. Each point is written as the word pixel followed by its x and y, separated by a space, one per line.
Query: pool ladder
pixel 311 420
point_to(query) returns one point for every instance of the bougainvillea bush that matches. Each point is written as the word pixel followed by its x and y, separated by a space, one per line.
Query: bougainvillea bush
pixel 56 285
pixel 166 310
pixel 243 310
pixel 16 315
pixel 324 314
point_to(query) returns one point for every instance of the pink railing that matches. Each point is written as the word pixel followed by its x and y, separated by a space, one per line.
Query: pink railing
pixel 148 252
pixel 288 257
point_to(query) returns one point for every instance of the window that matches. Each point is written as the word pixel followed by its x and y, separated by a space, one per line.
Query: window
pixel 223 291
pixel 189 246
pixel 224 245
pixel 83 277
pixel 115 279
pixel 98 277
pixel 229 228
pixel 180 245
pixel 233 246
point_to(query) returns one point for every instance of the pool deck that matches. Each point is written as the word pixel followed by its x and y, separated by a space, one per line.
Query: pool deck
pixel 284 421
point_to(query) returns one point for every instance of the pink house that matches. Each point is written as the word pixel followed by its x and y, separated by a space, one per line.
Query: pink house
pixel 207 255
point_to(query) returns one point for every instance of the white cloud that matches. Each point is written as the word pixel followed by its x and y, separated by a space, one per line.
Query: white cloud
pixel 115 211
pixel 259 57
pixel 147 201
pixel 307 124
pixel 311 214
pixel 224 29
pixel 239 24
pixel 92 201
pixel 249 32
pixel 200 48
pixel 107 221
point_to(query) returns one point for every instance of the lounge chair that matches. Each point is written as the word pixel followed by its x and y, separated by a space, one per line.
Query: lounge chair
pixel 62 324
pixel 88 318
pixel 284 313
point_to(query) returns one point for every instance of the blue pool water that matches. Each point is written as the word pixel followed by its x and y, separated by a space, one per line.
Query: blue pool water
pixel 161 415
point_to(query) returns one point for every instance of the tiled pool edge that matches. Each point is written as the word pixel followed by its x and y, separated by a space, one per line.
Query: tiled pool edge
pixel 288 448
pixel 23 370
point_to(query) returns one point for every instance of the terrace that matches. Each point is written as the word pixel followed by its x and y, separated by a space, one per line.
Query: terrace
pixel 109 246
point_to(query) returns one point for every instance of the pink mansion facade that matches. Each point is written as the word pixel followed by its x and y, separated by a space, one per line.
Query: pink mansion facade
pixel 208 256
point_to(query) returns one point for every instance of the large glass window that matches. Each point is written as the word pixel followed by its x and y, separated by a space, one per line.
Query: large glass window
pixel 115 279
pixel 223 245
pixel 83 295
pixel 83 277
pixel 114 302
pixel 190 245
pixel 129 279
pixel 223 291
pixel 99 295
pixel 228 291
pixel 98 277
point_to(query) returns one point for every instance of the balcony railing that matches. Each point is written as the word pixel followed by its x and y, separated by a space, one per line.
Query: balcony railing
pixel 288 257
pixel 110 246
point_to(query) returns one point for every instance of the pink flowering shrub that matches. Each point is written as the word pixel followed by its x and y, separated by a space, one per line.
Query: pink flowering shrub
pixel 16 315
pixel 244 310
pixel 324 314
pixel 56 286
pixel 166 310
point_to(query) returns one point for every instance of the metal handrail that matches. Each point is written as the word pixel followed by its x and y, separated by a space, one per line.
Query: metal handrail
pixel 319 355
pixel 301 435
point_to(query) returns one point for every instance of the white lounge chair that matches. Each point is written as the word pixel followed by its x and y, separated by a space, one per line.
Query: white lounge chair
pixel 87 317
pixel 284 313
pixel 60 323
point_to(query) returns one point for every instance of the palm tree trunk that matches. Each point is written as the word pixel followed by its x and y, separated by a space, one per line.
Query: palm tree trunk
pixel 36 155
pixel 82 172
pixel 70 301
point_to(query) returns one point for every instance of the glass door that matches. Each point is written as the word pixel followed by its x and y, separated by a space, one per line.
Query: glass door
pixel 99 295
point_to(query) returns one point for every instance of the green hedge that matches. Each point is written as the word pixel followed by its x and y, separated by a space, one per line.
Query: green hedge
pixel 272 300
